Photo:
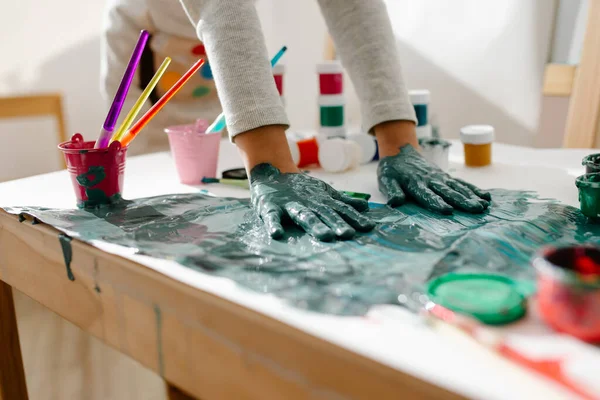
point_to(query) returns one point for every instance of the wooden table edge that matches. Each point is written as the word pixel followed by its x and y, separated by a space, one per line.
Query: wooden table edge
pixel 171 327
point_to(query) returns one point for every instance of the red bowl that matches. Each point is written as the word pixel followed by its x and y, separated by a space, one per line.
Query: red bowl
pixel 568 294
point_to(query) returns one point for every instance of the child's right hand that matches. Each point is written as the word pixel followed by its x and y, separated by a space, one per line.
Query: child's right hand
pixel 310 203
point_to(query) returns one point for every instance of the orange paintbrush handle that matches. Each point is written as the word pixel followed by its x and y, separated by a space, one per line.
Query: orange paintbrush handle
pixel 141 123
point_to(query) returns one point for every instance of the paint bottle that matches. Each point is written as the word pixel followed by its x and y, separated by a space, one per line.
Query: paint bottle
pixel 304 149
pixel 331 79
pixel 420 101
pixel 436 151
pixel 278 73
pixel 588 186
pixel 424 132
pixel 367 144
pixel 477 141
pixel 329 132
pixel 568 289
pixel 338 155
pixel 332 110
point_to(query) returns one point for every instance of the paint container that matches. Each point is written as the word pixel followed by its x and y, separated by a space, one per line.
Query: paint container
pixel 477 141
pixel 195 152
pixel 329 132
pixel 492 299
pixel 568 296
pixel 420 101
pixel 305 151
pixel 332 110
pixel 591 163
pixel 338 155
pixel 436 151
pixel 278 73
pixel 331 79
pixel 589 194
pixel 367 144
pixel 424 132
pixel 97 175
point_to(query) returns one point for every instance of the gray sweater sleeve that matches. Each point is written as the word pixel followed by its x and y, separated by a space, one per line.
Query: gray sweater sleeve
pixel 235 46
pixel 364 40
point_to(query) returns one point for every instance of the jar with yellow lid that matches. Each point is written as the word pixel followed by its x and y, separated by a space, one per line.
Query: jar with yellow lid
pixel 477 141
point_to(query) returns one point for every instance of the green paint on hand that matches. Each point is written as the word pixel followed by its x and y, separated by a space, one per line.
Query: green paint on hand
pixel 408 175
pixel 159 347
pixel 310 203
pixel 65 243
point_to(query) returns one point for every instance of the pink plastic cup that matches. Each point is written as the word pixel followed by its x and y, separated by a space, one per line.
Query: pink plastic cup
pixel 196 153
pixel 97 175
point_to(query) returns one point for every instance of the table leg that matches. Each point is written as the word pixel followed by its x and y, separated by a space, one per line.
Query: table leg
pixel 173 393
pixel 12 374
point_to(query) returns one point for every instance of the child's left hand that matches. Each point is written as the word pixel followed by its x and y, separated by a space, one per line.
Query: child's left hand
pixel 409 174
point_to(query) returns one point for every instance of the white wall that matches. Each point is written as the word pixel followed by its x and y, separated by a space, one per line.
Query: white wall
pixel 482 60
pixel 54 46
pixel 48 47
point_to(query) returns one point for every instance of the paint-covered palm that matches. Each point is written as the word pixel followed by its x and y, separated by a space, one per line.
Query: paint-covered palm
pixel 310 203
pixel 409 175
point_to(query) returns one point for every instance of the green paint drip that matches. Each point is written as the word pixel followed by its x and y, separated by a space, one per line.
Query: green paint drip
pixel 22 217
pixel 65 243
pixel 159 348
pixel 97 199
pixel 35 221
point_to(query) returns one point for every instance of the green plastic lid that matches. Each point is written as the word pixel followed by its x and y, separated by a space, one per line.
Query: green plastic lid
pixel 492 299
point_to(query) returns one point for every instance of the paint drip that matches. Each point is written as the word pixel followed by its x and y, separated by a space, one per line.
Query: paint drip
pixel 65 244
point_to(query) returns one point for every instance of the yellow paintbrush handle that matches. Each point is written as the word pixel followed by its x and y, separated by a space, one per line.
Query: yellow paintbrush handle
pixel 140 101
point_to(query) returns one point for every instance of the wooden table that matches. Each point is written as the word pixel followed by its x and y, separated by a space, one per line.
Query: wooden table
pixel 213 345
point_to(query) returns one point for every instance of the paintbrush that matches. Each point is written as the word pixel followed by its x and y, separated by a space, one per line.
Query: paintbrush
pixel 220 123
pixel 233 182
pixel 497 343
pixel 115 109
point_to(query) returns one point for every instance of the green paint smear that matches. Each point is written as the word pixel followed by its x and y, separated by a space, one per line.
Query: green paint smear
pixel 408 248
pixel 65 243
pixel 97 199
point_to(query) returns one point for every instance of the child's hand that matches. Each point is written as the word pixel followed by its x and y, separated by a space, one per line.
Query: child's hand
pixel 316 207
pixel 409 174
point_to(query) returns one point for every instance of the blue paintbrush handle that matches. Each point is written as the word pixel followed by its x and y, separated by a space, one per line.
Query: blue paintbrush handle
pixel 219 124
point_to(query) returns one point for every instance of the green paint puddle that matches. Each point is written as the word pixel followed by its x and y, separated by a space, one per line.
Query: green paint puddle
pixel 408 248
pixel 65 244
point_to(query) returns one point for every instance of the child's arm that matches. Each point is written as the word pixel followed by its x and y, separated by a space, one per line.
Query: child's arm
pixel 365 42
pixel 123 20
pixel 235 45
